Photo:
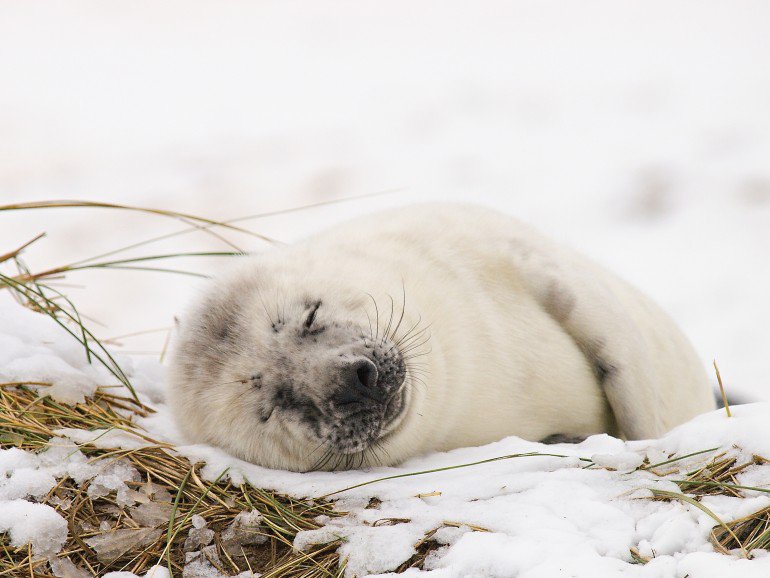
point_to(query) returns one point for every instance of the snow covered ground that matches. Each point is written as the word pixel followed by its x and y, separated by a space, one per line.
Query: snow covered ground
pixel 576 513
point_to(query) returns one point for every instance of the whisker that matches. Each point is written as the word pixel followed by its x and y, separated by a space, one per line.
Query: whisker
pixel 403 309
pixel 377 317
pixel 386 333
pixel 418 354
pixel 414 333
pixel 415 346
pixel 383 449
pixel 412 328
pixel 368 318
pixel 325 458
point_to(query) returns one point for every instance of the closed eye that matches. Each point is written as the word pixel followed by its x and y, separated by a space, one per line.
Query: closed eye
pixel 310 317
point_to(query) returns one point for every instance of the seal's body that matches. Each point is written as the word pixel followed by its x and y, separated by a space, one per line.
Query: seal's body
pixel 419 329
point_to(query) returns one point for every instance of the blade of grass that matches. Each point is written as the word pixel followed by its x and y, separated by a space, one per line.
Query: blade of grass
pixel 722 389
pixel 672 460
pixel 15 253
pixel 720 485
pixel 118 264
pixel 189 513
pixel 702 508
pixel 447 468
pixel 206 227
pixel 63 204
pixel 172 518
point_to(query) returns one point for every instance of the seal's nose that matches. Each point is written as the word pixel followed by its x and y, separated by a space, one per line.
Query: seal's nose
pixel 358 383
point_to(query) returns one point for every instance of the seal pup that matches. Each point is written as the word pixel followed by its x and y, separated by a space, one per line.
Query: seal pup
pixel 421 329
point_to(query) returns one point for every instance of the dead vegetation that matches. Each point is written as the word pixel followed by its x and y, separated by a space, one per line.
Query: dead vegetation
pixel 718 476
pixel 749 533
pixel 428 545
pixel 167 515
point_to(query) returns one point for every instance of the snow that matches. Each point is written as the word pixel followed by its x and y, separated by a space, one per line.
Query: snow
pixel 35 524
pixel 32 350
pixel 575 512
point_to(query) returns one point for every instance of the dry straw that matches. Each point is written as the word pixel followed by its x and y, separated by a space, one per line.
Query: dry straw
pixel 171 489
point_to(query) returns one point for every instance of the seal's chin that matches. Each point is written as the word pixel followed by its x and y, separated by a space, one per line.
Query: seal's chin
pixel 361 430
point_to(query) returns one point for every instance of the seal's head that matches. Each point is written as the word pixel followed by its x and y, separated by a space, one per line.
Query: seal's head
pixel 288 369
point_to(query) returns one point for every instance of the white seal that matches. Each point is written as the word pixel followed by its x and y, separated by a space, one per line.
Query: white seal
pixel 423 329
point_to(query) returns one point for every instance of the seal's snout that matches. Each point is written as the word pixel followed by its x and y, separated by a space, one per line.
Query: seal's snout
pixel 358 383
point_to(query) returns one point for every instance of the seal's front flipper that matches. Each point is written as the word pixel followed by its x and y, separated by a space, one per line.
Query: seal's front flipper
pixel 591 312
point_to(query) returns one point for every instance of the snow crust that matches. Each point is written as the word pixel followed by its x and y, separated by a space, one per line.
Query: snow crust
pixel 35 524
pixel 577 512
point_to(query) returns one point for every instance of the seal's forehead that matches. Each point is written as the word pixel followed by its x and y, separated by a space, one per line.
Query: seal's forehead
pixel 286 283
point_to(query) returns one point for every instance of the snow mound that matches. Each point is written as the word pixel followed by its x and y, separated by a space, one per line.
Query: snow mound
pixel 35 524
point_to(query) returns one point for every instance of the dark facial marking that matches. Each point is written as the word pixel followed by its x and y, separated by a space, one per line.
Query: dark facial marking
pixel 286 399
pixel 308 327
pixel 310 316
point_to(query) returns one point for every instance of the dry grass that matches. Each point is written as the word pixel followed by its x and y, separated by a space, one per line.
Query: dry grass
pixel 428 544
pixel 751 532
pixel 718 476
pixel 170 484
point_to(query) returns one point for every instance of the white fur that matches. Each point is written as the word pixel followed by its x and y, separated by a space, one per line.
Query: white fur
pixel 518 326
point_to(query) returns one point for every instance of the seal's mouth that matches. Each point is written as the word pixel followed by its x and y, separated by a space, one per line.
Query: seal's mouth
pixel 359 428
pixel 366 403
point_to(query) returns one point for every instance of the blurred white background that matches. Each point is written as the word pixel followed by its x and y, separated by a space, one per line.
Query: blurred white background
pixel 637 131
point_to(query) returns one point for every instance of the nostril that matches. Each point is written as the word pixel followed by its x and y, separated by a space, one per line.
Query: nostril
pixel 359 383
pixel 366 373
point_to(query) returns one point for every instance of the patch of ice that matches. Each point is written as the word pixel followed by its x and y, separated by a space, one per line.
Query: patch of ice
pixel 371 550
pixel 712 565
pixel 243 531
pixel 151 514
pixel 114 543
pixel 104 438
pixel 112 477
pixel 62 457
pixel 14 458
pixel 68 385
pixel 154 572
pixel 199 535
pixel 202 564
pixel 65 568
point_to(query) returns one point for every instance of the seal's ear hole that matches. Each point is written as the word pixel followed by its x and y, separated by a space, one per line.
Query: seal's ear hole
pixel 310 315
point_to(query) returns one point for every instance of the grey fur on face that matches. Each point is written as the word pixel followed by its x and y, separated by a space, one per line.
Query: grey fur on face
pixel 305 367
